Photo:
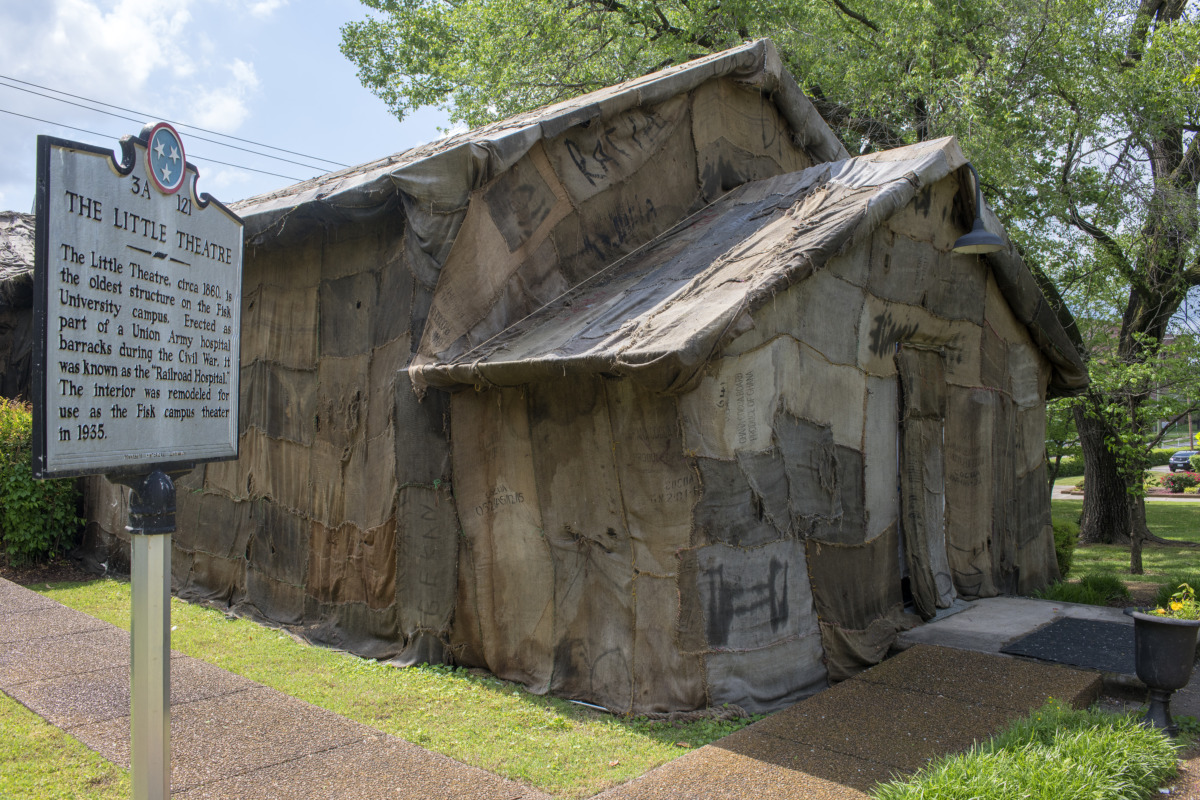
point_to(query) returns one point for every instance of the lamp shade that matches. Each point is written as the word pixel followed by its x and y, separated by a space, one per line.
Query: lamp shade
pixel 979 240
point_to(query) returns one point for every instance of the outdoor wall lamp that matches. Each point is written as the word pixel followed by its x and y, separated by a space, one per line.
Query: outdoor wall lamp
pixel 979 240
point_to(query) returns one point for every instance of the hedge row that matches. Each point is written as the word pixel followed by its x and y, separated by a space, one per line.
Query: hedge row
pixel 1072 466
pixel 38 519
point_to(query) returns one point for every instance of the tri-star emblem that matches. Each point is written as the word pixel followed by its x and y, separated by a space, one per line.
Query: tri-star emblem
pixel 167 163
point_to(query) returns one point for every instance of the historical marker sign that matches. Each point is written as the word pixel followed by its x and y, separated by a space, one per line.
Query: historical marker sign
pixel 138 305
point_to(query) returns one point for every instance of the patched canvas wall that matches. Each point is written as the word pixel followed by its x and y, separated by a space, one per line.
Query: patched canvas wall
pixel 873 439
pixel 338 516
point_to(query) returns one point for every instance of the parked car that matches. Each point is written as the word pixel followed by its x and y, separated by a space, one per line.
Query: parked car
pixel 1181 460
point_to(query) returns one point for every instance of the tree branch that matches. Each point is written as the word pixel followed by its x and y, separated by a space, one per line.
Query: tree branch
pixel 854 15
pixel 1153 443
pixel 880 134
pixel 1139 31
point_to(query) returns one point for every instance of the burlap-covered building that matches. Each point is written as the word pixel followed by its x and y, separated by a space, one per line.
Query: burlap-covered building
pixel 551 399
pixel 16 304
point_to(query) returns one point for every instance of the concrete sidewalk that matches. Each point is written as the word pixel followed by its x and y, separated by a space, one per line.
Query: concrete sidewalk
pixel 890 720
pixel 230 737
pixel 233 738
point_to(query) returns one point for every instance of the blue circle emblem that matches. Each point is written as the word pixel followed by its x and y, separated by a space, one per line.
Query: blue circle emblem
pixel 165 160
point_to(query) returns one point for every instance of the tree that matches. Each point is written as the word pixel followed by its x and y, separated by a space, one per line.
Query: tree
pixel 1081 115
pixel 1126 403
pixel 1062 439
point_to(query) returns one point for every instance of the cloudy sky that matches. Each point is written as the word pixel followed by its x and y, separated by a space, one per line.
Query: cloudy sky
pixel 266 71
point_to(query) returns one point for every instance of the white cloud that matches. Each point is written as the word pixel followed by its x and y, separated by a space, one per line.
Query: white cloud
pixel 224 108
pixel 265 8
pixel 99 48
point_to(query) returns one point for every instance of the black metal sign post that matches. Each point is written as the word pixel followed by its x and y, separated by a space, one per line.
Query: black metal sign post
pixel 137 306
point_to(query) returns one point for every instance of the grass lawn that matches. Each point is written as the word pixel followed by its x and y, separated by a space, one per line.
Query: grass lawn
pixel 1168 519
pixel 1054 752
pixel 40 762
pixel 557 746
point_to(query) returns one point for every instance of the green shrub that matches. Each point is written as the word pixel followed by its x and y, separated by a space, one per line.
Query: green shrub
pixel 1108 585
pixel 1066 536
pixel 37 518
pixel 1159 456
pixel 1055 752
pixel 1070 467
pixel 1171 586
pixel 1063 592
pixel 1195 462
pixel 1095 589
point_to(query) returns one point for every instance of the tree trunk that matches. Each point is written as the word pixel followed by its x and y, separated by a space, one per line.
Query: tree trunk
pixel 1106 513
pixel 1139 533
pixel 1055 464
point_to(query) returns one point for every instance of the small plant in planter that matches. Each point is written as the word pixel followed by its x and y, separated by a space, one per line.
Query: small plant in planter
pixel 1164 641
pixel 1182 605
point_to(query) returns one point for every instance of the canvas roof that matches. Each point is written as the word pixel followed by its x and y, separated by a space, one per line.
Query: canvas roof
pixel 443 173
pixel 662 312
pixel 16 260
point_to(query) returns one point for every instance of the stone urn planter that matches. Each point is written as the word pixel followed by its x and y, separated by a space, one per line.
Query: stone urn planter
pixel 1164 654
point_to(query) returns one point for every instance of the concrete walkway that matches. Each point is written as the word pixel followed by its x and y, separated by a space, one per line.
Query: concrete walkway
pixel 233 738
pixel 889 720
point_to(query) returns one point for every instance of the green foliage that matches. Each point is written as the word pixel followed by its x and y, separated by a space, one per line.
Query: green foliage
pixel 1066 536
pixel 1064 458
pixel 1071 593
pixel 1071 467
pixel 1159 456
pixel 1189 727
pixel 1093 589
pixel 1108 585
pixel 1171 585
pixel 1054 753
pixel 1181 604
pixel 1195 462
pixel 37 518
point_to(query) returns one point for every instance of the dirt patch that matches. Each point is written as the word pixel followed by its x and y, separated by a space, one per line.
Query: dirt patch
pixel 1187 785
pixel 1142 592
pixel 59 570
